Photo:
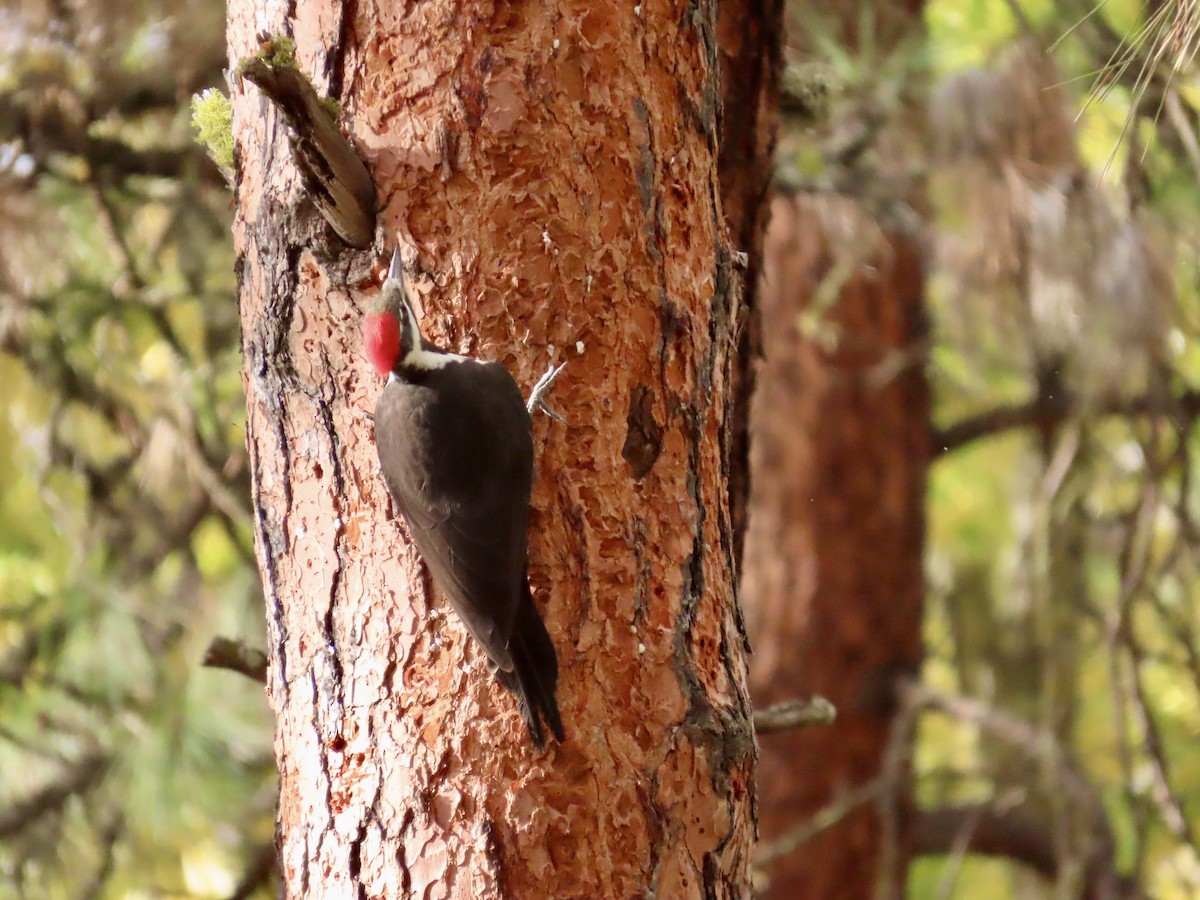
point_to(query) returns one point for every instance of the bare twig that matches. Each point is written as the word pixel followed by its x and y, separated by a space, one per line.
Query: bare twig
pixel 822 821
pixel 232 505
pixel 1166 799
pixel 16 664
pixel 39 747
pixel 78 779
pixel 894 775
pixel 1022 20
pixel 792 714
pixel 1014 834
pixel 117 234
pixel 226 653
pixel 1177 116
pixel 1041 747
pixel 109 837
pixel 1049 412
pixel 1036 742
pixel 960 846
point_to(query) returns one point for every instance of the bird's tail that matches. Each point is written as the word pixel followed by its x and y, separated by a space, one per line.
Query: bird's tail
pixel 534 679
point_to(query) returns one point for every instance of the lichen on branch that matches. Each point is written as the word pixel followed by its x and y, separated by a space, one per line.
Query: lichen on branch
pixel 212 117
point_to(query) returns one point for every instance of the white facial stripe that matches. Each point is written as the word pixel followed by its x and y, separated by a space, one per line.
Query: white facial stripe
pixel 418 357
pixel 425 360
pixel 411 329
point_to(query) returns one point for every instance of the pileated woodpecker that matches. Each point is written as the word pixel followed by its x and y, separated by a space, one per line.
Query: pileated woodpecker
pixel 455 444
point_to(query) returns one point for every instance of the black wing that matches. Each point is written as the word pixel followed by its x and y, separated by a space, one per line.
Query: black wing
pixel 456 448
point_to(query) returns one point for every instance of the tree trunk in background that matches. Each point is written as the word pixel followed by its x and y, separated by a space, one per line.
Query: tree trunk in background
pixel 553 166
pixel 832 574
pixel 833 580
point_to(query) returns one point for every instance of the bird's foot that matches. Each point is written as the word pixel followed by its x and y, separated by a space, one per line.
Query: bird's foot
pixel 537 395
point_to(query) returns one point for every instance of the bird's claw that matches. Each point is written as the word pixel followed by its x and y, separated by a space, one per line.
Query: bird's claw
pixel 550 411
pixel 537 395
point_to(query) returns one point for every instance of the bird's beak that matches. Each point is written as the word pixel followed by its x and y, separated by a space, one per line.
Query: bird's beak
pixel 396 270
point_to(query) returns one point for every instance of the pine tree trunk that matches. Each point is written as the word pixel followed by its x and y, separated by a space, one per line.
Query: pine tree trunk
pixel 552 167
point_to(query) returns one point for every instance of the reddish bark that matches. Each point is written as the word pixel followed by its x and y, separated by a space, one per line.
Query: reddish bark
pixel 560 193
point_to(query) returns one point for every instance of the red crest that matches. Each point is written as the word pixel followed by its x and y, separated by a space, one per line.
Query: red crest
pixel 381 337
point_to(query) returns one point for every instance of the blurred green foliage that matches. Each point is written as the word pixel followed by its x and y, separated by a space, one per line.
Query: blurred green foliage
pixel 126 769
pixel 1062 565
pixel 1046 155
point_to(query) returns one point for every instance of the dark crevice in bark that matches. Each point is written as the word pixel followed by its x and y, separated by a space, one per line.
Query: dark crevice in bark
pixel 355 863
pixel 641 596
pixel 693 577
pixel 648 187
pixel 330 628
pixel 491 846
pixel 335 56
pixel 272 539
pixel 713 878
pixel 728 288
pixel 643 440
pixel 289 16
pixel 671 325
pixel 750 34
pixel 645 173
pixel 401 854
pixel 727 739
pixel 305 860
pixel 319 706
pixel 576 517
pixel 705 114
pixel 325 417
pixel 389 673
pixel 655 819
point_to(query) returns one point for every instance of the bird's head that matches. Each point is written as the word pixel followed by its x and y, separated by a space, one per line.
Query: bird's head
pixel 390 329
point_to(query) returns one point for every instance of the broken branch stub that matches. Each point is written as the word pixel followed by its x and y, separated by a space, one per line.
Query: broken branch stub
pixel 336 178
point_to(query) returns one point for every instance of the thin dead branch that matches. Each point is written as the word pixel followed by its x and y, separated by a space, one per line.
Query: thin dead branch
pixel 78 779
pixel 226 653
pixel 822 821
pixel 1051 411
pixel 792 714
pixel 334 175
